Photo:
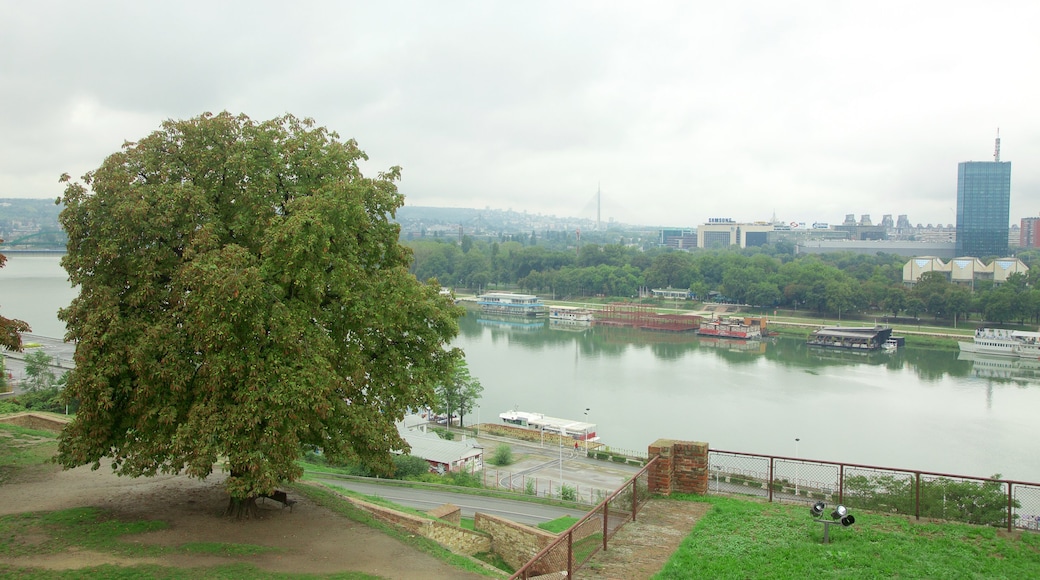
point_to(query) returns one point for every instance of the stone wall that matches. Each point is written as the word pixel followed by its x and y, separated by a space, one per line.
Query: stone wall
pixel 456 539
pixel 681 467
pixel 515 543
pixel 37 422
pixel 447 513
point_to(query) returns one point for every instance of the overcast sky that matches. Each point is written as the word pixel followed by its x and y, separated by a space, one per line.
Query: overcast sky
pixel 677 111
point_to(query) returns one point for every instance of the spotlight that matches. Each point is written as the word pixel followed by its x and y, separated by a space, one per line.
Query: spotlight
pixel 817 509
pixel 841 513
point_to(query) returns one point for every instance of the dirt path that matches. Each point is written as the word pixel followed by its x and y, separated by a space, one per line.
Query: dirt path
pixel 310 538
pixel 641 548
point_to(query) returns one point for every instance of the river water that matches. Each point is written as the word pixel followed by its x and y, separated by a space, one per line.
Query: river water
pixel 916 408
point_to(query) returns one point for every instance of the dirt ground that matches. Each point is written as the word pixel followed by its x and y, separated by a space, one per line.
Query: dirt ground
pixel 310 538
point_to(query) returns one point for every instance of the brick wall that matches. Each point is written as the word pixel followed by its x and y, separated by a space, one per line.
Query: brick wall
pixel 515 543
pixel 681 467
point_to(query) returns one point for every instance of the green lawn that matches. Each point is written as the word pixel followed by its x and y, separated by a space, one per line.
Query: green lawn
pixel 746 539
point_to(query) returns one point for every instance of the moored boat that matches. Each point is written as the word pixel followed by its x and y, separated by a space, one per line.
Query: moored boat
pixel 857 338
pixel 578 430
pixel 511 304
pixel 1003 342
pixel 733 327
pixel 570 314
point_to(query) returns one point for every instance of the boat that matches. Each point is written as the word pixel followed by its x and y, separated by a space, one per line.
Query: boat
pixel 578 430
pixel 732 327
pixel 1003 342
pixel 855 338
pixel 890 345
pixel 510 304
pixel 570 314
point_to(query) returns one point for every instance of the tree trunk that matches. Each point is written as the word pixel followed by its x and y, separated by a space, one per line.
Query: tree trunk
pixel 242 508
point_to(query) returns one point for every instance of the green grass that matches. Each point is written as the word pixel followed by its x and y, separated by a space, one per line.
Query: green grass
pixel 747 539
pixel 89 528
pixel 559 524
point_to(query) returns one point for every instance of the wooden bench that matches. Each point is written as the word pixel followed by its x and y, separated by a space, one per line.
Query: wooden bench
pixel 280 497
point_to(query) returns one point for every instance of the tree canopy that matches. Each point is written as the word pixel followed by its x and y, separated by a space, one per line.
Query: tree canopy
pixel 243 295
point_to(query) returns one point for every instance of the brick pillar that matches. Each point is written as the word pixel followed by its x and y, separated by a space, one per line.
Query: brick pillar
pixel 660 475
pixel 682 467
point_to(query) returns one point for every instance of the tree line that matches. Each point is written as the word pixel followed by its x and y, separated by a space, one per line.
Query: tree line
pixel 769 277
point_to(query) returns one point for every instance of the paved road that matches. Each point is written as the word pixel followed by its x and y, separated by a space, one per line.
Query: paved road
pixel 519 511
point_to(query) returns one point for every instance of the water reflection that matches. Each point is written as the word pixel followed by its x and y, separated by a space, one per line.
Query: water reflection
pixel 919 408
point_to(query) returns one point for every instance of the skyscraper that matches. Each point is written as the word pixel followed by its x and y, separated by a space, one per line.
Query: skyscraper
pixel 983 206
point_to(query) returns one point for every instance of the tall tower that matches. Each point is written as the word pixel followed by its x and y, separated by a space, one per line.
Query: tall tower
pixel 983 206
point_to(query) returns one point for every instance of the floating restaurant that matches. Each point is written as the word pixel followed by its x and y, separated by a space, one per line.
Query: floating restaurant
pixel 850 337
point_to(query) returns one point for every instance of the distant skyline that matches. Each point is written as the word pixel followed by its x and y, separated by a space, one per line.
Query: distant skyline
pixel 677 111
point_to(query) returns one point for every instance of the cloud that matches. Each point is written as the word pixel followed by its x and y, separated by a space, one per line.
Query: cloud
pixel 677 111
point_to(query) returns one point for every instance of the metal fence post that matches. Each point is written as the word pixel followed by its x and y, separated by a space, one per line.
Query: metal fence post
pixel 570 553
pixel 635 498
pixel 841 483
pixel 1010 522
pixel 769 480
pixel 917 499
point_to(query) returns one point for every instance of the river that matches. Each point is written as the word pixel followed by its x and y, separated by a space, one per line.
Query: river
pixel 915 408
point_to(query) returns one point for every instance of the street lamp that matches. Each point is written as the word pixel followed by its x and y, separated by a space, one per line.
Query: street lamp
pixel 560 438
pixel 586 431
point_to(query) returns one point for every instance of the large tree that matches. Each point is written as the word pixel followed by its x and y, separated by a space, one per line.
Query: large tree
pixel 243 295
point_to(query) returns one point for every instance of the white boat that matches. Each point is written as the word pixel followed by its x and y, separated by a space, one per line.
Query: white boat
pixel 570 314
pixel 579 430
pixel 889 345
pixel 510 304
pixel 1003 342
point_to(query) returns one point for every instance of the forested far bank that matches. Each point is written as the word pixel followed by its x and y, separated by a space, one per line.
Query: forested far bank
pixel 840 284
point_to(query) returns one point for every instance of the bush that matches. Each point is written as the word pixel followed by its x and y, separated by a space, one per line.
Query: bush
pixel 409 466
pixel 444 433
pixel 464 479
pixel 46 399
pixel 529 488
pixel 568 493
pixel 619 459
pixel 503 455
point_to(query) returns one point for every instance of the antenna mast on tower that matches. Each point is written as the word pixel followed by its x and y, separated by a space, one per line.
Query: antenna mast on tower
pixel 599 204
pixel 996 150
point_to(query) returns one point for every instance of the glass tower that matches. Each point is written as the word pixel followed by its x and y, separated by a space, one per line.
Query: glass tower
pixel 983 208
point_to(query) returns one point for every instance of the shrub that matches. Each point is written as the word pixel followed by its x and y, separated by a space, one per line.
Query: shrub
pixel 409 466
pixel 444 433
pixel 619 459
pixel 503 455
pixel 568 493
pixel 529 488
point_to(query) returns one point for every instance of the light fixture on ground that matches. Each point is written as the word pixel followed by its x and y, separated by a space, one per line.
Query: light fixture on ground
pixel 840 515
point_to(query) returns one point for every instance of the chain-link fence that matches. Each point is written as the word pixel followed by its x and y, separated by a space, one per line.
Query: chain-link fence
pixel 974 500
pixel 576 546
pixel 544 487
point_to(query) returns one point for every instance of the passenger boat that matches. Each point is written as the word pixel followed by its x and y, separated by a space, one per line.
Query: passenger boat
pixel 570 314
pixel 1003 342
pixel 889 345
pixel 578 430
pixel 733 327
pixel 510 304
